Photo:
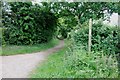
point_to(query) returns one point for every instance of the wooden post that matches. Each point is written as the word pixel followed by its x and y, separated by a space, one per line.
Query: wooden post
pixel 90 36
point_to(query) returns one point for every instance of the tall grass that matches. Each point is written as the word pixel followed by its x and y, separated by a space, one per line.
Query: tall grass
pixel 80 64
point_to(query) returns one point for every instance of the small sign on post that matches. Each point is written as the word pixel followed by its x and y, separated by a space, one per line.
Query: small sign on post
pixel 90 36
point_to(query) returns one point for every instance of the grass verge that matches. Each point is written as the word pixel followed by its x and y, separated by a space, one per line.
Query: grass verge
pixel 52 68
pixel 14 49
pixel 77 63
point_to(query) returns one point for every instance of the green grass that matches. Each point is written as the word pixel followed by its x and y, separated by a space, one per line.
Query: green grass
pixel 81 64
pixel 52 68
pixel 14 49
pixel 77 64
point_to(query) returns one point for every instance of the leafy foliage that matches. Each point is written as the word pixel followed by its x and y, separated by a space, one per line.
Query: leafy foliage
pixel 76 63
pixel 76 13
pixel 83 10
pixel 65 26
pixel 29 24
pixel 104 38
pixel 80 64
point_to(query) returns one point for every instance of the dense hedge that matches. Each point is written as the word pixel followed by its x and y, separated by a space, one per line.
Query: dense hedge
pixel 28 24
pixel 104 38
pixel 101 62
pixel 79 64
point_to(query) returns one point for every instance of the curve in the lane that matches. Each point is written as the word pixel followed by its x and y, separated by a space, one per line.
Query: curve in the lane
pixel 19 66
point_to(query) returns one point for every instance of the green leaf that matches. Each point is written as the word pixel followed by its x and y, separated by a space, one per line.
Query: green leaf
pixel 26 27
pixel 27 17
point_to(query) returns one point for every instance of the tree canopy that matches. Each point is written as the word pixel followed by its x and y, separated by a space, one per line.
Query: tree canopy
pixel 67 15
pixel 76 13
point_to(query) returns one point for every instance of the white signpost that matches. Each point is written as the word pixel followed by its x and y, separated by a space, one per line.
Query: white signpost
pixel 90 36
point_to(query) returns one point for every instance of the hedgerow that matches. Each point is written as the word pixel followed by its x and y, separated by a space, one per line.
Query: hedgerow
pixel 28 24
pixel 79 64
pixel 101 62
pixel 104 38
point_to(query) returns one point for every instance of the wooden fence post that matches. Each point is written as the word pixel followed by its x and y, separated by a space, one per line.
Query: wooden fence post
pixel 90 36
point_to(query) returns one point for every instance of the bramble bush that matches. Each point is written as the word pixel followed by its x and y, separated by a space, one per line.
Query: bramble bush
pixel 28 24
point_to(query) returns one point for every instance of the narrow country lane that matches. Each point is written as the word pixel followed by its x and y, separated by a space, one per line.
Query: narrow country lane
pixel 20 66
